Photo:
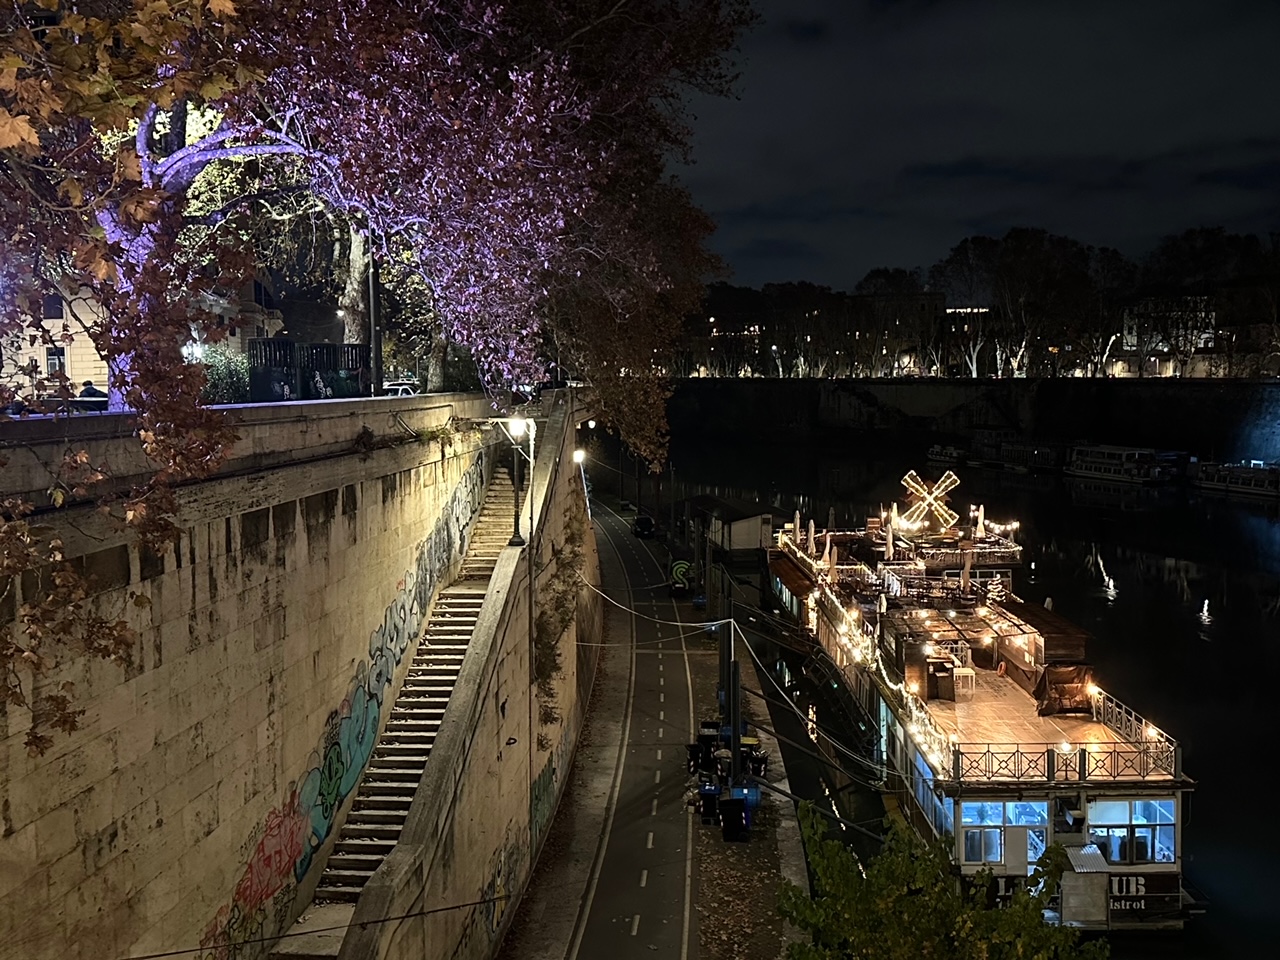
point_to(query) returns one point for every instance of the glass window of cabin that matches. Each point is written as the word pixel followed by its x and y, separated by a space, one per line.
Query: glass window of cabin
pixel 1027 813
pixel 1109 811
pixel 1134 831
pixel 1153 811
pixel 973 812
pixel 984 845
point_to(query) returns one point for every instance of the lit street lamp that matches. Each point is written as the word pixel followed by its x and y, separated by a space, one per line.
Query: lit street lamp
pixel 579 457
pixel 516 427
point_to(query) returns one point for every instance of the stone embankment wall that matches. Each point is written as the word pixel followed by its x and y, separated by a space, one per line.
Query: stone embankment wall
pixel 1211 419
pixel 193 806
pixel 500 762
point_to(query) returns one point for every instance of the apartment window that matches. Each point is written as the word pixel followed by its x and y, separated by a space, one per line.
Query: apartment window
pixel 1134 831
pixel 53 307
pixel 55 360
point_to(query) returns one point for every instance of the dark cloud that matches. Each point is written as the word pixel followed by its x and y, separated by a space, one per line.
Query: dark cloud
pixel 771 249
pixel 806 31
pixel 881 133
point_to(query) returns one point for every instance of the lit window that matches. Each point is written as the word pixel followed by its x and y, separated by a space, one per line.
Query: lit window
pixel 983 823
pixel 1134 831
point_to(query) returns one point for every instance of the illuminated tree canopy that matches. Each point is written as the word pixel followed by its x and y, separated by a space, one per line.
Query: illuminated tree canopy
pixel 507 157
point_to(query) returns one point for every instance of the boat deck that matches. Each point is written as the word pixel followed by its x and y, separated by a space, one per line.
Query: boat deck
pixel 1000 712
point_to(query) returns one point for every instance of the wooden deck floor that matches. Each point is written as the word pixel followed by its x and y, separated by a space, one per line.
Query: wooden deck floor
pixel 1001 713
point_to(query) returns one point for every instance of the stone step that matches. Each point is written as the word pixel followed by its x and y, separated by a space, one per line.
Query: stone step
pixel 374 817
pixel 393 788
pixel 337 894
pixel 345 878
pixel 407 737
pixel 414 722
pixel 376 802
pixel 422 708
pixel 351 861
pixel 399 729
pixel 377 832
pixel 406 753
pixel 426 687
pixel 364 847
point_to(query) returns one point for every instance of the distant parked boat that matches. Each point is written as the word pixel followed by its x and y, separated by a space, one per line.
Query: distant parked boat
pixel 1138 465
pixel 945 453
pixel 1249 478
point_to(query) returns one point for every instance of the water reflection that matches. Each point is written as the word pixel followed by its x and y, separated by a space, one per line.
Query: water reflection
pixel 1182 595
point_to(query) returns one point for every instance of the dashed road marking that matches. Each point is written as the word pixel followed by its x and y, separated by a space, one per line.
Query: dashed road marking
pixel 653 812
pixel 659 754
pixel 657 776
pixel 644 877
pixel 635 924
pixel 648 844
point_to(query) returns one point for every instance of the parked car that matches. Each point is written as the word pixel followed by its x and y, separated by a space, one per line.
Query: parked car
pixel 400 388
pixel 643 527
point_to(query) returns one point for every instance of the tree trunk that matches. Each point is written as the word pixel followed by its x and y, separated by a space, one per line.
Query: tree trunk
pixel 435 365
pixel 354 299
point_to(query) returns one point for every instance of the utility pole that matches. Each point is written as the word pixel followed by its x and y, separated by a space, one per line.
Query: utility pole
pixel 671 501
pixel 735 723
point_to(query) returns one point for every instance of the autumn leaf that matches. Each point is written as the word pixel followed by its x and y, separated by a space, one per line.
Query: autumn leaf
pixel 222 8
pixel 16 131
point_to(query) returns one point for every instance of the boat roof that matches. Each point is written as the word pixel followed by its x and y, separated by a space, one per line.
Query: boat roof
pixel 1001 713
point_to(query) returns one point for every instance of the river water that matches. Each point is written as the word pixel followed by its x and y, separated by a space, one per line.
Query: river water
pixel 1182 596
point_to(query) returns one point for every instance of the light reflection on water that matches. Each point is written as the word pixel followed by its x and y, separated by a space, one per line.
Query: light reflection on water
pixel 1182 595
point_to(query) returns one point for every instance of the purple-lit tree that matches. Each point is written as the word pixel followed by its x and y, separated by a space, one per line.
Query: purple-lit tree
pixel 497 152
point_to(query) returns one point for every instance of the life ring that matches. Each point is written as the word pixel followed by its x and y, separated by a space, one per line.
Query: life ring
pixel 1001 670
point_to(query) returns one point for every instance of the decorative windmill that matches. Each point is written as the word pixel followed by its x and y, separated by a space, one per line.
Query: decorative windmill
pixel 928 499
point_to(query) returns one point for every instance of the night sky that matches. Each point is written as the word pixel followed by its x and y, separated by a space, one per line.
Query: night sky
pixel 880 132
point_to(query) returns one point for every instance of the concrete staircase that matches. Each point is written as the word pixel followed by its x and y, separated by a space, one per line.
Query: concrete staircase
pixel 386 790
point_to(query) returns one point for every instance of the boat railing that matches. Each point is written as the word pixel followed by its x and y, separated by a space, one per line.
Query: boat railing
pixel 1064 762
pixel 980 554
pixel 1131 725
pixel 959 650
pixel 931 588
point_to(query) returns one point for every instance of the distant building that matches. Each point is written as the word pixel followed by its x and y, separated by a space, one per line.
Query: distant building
pixel 72 352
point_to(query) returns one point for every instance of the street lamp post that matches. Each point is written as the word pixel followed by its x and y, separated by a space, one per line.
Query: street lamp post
pixel 579 457
pixel 517 427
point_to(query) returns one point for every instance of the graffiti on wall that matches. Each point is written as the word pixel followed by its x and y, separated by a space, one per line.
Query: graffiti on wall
pixel 286 842
pixel 542 797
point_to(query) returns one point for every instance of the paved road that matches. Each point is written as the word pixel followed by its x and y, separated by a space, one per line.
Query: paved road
pixel 640 895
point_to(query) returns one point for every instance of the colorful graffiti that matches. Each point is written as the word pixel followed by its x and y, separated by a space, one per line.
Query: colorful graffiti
pixel 542 798
pixel 291 834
